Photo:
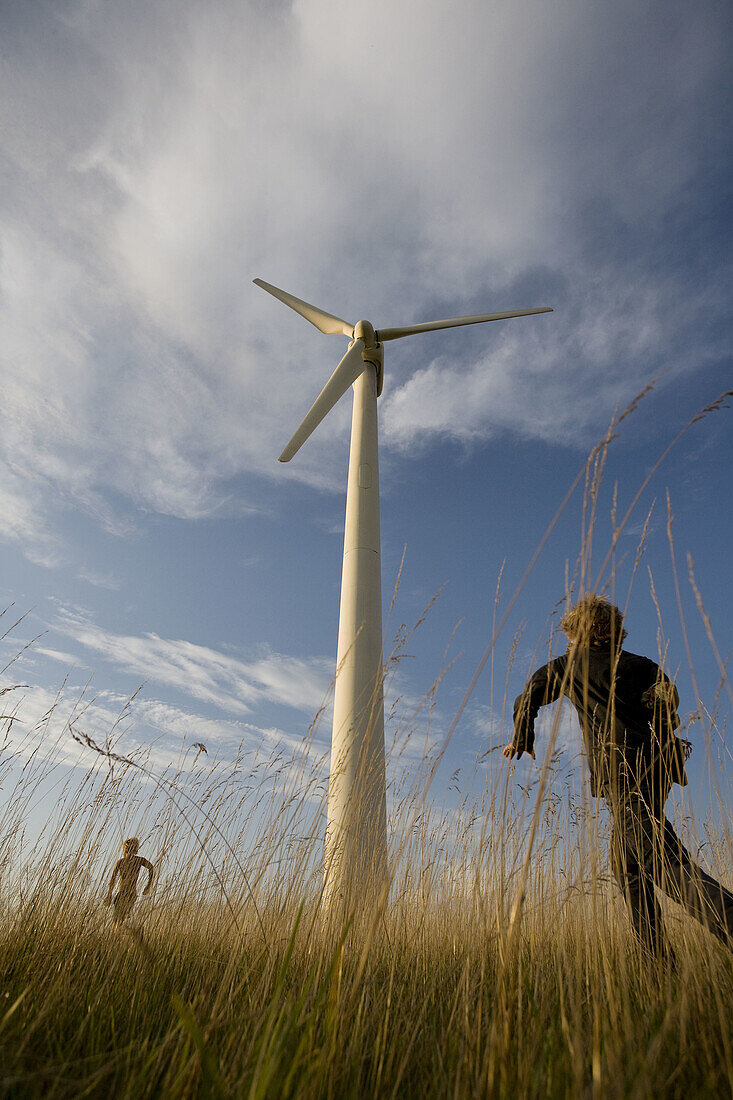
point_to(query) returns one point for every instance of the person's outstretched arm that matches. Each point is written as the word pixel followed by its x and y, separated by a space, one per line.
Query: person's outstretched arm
pixel 543 687
pixel 151 873
pixel 115 873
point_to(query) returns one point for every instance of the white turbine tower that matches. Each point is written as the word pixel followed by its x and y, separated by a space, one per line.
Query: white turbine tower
pixel 356 831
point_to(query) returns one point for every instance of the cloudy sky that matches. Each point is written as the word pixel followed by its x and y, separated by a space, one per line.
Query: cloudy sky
pixel 390 160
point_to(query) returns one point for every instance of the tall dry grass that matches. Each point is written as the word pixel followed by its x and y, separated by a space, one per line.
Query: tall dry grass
pixel 501 964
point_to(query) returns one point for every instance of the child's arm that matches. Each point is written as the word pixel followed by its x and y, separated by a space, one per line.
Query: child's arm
pixel 151 872
pixel 115 873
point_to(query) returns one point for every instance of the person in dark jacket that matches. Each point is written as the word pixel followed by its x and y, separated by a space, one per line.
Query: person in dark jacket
pixel 628 714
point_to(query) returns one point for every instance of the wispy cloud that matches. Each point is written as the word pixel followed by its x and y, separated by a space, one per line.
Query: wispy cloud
pixel 99 579
pixel 58 655
pixel 25 522
pixel 163 734
pixel 231 684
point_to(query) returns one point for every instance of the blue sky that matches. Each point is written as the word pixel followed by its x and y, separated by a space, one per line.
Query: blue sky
pixel 383 160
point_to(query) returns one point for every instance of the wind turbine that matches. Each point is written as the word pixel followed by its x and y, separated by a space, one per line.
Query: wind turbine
pixel 356 831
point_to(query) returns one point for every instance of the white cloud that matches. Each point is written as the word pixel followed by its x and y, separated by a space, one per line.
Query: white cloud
pixel 40 726
pixel 229 683
pixel 99 579
pixel 58 655
pixel 477 157
pixel 559 726
pixel 525 386
pixel 24 521
pixel 148 729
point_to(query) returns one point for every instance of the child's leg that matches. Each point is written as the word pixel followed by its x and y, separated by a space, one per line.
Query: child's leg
pixel 122 906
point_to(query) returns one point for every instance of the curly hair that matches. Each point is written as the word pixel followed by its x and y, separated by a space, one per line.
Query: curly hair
pixel 594 621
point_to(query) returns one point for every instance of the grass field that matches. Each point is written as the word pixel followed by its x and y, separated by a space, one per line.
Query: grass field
pixel 495 970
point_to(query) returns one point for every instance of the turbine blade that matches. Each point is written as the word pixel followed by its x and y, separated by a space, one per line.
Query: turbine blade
pixel 326 322
pixel 454 322
pixel 345 374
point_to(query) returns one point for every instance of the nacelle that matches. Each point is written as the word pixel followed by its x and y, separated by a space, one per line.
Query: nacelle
pixel 373 352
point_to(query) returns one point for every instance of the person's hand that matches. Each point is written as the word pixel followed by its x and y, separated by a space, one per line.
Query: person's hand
pixel 511 751
pixel 146 891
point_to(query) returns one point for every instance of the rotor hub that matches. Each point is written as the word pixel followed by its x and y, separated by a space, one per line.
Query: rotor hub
pixel 364 330
pixel 373 352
